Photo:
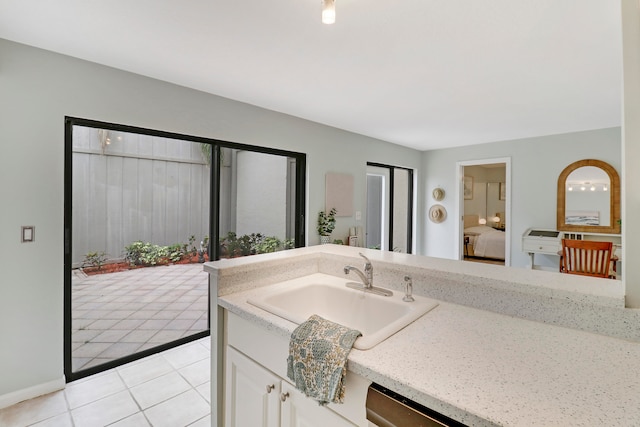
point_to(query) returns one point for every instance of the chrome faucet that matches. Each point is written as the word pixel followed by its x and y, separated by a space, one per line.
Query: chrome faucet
pixel 366 277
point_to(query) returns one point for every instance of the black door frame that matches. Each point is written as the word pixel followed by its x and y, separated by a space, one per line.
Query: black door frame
pixel 392 169
pixel 214 227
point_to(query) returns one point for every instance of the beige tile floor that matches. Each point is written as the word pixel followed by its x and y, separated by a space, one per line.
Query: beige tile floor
pixel 168 389
pixel 117 314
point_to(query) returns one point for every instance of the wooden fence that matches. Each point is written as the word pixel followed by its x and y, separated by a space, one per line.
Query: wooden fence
pixel 129 187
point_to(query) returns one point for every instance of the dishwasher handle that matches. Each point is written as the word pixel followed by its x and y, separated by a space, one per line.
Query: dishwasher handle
pixel 387 409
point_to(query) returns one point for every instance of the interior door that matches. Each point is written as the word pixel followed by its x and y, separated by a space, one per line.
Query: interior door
pixel 390 202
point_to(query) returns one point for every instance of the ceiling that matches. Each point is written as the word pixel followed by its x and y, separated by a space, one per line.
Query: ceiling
pixel 426 74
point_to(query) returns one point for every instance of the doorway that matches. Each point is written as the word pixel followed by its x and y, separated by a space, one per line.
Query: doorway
pixel 389 225
pixel 484 231
pixel 143 210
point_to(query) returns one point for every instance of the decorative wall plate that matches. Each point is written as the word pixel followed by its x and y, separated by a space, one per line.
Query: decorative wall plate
pixel 437 213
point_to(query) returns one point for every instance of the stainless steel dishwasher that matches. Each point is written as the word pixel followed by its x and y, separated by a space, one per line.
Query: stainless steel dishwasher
pixel 388 409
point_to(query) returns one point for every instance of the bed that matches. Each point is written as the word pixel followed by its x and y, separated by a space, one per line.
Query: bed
pixel 482 241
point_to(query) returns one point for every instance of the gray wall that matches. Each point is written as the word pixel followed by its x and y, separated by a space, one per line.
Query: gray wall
pixel 261 198
pixel 536 164
pixel 39 89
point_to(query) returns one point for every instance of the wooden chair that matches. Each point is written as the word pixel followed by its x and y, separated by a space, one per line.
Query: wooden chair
pixel 587 258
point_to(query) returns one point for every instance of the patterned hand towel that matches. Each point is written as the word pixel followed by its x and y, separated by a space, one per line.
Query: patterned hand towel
pixel 317 360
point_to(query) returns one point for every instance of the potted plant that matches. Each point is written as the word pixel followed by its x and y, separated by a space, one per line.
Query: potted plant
pixel 326 224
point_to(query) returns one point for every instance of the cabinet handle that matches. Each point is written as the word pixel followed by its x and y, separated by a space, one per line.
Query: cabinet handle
pixel 270 387
pixel 284 396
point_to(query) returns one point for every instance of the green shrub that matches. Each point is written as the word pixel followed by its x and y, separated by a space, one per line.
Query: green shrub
pixel 288 244
pixel 193 249
pixel 176 252
pixel 141 253
pixel 273 244
pixel 251 244
pixel 144 253
pixel 133 252
pixel 269 244
pixel 155 254
pixel 94 259
pixel 234 246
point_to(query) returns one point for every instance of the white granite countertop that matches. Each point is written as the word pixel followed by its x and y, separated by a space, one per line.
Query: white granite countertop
pixel 484 368
pixel 505 346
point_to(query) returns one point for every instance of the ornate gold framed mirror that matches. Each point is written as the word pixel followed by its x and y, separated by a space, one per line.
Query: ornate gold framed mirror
pixel 589 198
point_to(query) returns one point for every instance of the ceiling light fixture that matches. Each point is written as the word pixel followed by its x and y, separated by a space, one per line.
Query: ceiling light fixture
pixel 328 11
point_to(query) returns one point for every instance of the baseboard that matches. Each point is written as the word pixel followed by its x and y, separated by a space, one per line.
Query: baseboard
pixel 31 392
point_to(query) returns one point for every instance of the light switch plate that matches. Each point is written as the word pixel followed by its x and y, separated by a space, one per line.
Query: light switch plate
pixel 28 233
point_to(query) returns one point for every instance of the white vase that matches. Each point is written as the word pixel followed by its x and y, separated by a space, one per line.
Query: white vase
pixel 325 240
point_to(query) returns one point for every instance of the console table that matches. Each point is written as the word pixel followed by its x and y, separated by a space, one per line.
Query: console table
pixel 549 242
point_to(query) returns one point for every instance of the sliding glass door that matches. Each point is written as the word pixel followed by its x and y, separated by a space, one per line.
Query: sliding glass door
pixel 143 210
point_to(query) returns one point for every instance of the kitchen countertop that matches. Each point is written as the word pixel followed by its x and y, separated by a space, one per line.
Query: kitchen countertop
pixel 485 368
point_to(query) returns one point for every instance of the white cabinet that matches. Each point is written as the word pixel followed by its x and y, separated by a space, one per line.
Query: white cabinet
pixel 252 393
pixel 300 411
pixel 541 241
pixel 256 397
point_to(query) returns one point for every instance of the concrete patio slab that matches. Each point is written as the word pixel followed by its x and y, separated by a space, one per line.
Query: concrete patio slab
pixel 117 314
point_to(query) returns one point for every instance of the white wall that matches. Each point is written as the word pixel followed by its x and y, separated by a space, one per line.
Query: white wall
pixel 536 164
pixel 38 90
pixel 262 194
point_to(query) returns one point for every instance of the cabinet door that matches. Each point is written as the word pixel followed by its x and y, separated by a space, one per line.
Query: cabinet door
pixel 252 393
pixel 301 411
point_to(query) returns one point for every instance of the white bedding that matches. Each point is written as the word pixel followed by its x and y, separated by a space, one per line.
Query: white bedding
pixel 486 241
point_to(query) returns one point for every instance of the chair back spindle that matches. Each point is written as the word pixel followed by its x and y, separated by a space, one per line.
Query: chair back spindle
pixel 587 258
